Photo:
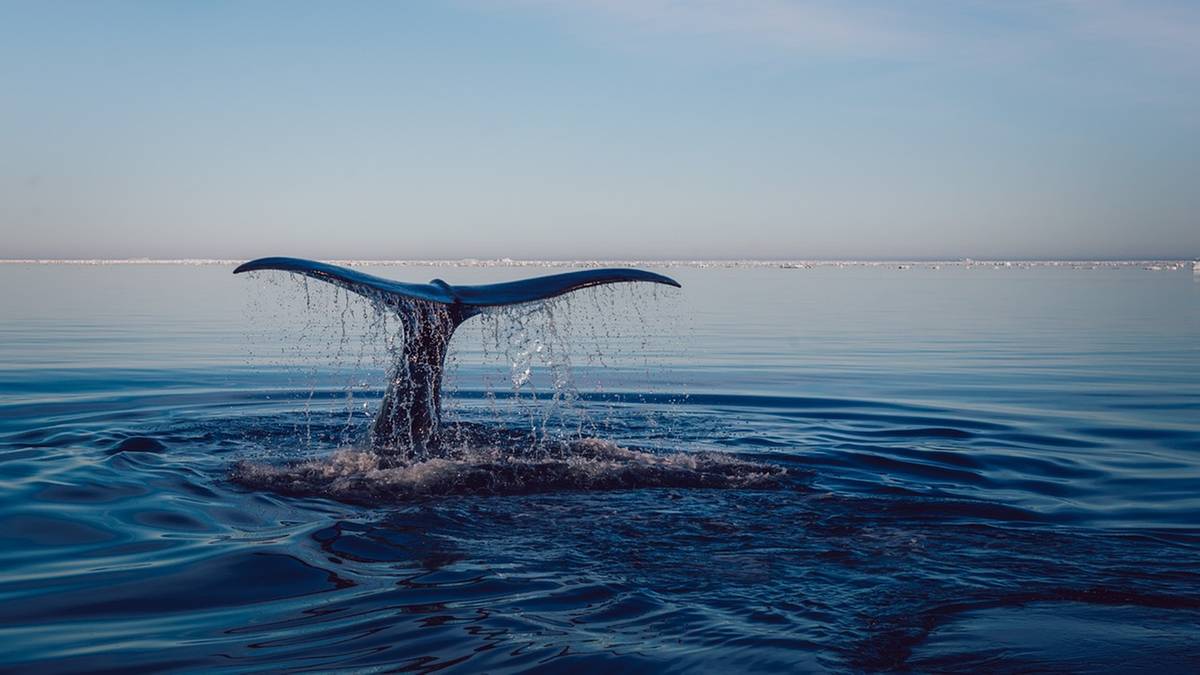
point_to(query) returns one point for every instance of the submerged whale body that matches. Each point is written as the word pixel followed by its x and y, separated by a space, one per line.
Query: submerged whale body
pixel 408 426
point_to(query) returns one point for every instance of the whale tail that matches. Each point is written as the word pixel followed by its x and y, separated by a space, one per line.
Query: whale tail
pixel 409 419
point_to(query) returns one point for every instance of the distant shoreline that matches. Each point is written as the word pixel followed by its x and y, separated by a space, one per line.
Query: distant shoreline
pixel 1150 264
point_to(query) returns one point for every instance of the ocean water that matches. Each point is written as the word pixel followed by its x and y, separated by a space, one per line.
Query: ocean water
pixel 967 469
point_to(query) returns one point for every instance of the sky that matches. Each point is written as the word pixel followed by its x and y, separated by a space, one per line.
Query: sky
pixel 632 129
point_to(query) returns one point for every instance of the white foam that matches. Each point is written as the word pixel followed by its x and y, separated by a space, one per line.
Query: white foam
pixel 363 476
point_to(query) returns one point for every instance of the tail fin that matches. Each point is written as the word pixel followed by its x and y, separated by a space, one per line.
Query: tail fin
pixel 488 295
pixel 408 423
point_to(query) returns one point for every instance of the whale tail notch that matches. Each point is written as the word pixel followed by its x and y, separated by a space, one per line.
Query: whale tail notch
pixel 408 423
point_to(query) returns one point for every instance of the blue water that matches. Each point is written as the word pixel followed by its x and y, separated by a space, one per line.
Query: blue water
pixel 983 470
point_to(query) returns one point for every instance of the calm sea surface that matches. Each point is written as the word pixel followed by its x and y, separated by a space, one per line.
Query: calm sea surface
pixel 986 470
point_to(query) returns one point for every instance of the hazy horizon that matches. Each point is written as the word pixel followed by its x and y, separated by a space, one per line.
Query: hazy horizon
pixel 601 129
pixel 502 261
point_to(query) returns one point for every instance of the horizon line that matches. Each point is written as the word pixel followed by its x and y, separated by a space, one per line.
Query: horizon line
pixel 684 261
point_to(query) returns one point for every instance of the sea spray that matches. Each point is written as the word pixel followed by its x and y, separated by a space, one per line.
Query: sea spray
pixel 525 365
pixel 514 409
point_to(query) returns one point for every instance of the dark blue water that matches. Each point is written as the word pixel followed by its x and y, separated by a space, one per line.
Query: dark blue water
pixel 973 470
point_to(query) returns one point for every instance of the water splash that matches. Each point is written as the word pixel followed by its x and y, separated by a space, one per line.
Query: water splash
pixel 592 343
pixel 363 476
pixel 323 339
pixel 535 437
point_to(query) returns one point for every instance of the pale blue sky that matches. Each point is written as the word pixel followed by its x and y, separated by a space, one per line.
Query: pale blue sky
pixel 600 128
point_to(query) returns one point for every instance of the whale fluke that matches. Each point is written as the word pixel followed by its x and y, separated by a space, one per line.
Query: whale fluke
pixel 488 295
pixel 408 423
